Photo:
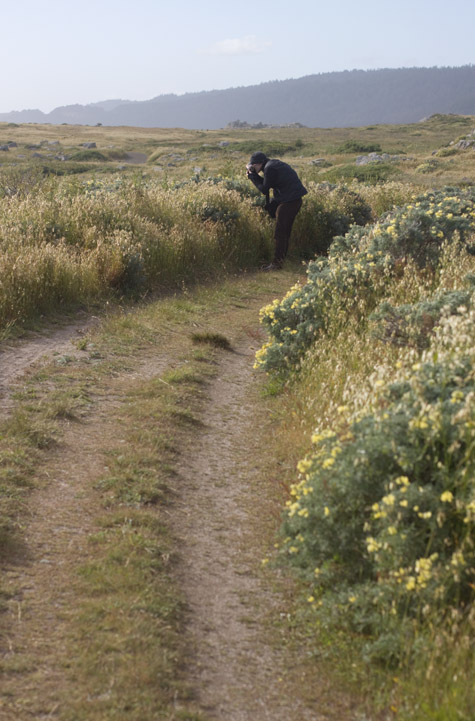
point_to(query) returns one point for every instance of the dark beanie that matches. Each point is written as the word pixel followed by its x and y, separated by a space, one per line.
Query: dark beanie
pixel 258 158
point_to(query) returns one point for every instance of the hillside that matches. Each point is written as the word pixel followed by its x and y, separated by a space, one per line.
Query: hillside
pixel 331 100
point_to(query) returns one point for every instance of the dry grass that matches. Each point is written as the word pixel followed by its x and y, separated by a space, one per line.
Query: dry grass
pixel 415 143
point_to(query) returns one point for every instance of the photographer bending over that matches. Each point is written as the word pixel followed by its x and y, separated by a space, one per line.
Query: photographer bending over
pixel 286 203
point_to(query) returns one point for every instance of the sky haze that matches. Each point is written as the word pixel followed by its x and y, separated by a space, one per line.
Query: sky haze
pixel 60 52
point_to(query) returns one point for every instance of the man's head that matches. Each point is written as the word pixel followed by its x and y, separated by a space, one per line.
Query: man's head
pixel 258 160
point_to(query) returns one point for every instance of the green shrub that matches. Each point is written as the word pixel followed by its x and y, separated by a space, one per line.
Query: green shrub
pixel 354 277
pixel 446 152
pixel 371 173
pixel 412 324
pixel 87 155
pixel 429 166
pixel 353 146
pixel 382 517
pixel 327 211
pixel 60 168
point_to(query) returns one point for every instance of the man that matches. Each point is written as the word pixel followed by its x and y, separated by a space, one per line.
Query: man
pixel 286 203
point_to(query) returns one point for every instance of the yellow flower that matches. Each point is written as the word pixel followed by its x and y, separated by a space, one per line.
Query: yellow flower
pixel 411 583
pixel 457 559
pixel 372 545
pixel 326 511
pixel 303 466
pixel 447 497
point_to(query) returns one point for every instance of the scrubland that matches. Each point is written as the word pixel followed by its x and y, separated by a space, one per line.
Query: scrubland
pixel 369 360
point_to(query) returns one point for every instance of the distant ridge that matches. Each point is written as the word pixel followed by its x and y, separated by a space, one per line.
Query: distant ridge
pixel 340 99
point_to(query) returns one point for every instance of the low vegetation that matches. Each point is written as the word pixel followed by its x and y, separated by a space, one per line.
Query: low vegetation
pixel 73 243
pixel 371 359
pixel 380 522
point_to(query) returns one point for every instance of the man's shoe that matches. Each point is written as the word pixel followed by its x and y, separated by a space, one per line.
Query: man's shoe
pixel 272 266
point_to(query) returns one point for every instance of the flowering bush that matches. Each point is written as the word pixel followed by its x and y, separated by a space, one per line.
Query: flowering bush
pixel 383 514
pixel 381 518
pixel 412 323
pixel 354 276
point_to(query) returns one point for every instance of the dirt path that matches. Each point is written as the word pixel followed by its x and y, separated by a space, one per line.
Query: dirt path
pixel 239 677
pixel 16 356
pixel 236 673
pixel 42 576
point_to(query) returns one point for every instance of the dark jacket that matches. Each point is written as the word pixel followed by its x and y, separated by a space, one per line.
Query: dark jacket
pixel 283 180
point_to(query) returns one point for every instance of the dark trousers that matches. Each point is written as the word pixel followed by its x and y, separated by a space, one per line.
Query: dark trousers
pixel 285 216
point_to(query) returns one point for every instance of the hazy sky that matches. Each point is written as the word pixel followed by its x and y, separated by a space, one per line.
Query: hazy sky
pixel 59 52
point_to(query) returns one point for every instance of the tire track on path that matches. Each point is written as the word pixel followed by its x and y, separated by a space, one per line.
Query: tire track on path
pixel 42 574
pixel 238 675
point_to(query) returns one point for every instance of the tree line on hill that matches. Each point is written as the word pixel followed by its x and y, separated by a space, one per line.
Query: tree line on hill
pixel 340 99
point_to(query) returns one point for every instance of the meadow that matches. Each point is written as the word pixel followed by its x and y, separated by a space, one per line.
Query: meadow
pixel 371 358
pixel 81 224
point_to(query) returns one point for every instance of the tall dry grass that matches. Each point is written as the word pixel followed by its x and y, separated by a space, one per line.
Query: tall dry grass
pixel 63 243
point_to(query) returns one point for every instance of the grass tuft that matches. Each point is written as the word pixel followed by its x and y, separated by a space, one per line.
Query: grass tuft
pixel 217 340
